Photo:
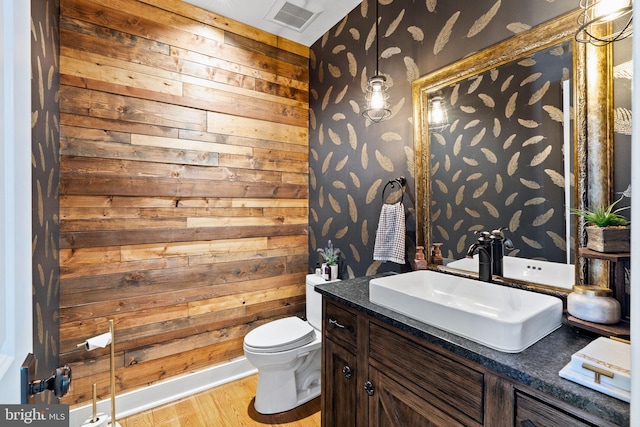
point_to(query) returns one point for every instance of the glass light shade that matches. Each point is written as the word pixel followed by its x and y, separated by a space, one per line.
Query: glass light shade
pixel 604 21
pixel 377 106
pixel 609 10
pixel 437 116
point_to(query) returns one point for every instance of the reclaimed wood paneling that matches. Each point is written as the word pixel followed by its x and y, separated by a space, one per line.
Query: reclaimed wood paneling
pixel 184 187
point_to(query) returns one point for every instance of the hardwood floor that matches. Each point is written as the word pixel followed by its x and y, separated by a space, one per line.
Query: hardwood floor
pixel 228 405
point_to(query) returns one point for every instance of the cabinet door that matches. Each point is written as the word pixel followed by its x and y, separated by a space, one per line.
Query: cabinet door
pixel 393 405
pixel 450 385
pixel 339 386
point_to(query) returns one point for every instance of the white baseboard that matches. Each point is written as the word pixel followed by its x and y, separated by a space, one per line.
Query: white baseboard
pixel 157 394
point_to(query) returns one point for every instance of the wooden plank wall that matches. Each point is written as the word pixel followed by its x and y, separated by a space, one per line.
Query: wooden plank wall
pixel 184 187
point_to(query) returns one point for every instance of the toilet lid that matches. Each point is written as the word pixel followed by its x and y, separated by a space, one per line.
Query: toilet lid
pixel 280 335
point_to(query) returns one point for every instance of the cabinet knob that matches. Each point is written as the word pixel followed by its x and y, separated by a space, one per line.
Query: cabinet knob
pixel 347 372
pixel 369 388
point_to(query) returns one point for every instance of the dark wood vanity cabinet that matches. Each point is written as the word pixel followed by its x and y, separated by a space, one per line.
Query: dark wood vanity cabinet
pixel 365 370
pixel 377 375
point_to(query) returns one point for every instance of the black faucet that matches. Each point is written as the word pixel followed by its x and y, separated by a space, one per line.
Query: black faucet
pixel 498 245
pixel 483 248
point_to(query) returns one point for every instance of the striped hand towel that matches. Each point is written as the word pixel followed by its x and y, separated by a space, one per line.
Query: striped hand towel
pixel 390 236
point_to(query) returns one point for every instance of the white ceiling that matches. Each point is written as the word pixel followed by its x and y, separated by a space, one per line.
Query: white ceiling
pixel 254 13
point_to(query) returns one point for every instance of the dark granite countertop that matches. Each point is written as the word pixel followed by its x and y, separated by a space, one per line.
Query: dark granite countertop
pixel 536 366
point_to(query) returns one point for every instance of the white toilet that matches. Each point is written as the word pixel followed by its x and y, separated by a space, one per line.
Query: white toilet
pixel 288 355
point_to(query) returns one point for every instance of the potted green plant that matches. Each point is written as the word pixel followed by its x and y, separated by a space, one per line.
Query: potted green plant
pixel 330 256
pixel 607 231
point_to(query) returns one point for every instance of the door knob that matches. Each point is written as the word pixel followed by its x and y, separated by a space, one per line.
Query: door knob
pixel 58 383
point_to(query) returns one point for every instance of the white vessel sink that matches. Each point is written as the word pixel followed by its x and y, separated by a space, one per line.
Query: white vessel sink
pixel 499 317
pixel 529 270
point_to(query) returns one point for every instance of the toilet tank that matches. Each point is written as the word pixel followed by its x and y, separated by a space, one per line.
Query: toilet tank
pixel 314 300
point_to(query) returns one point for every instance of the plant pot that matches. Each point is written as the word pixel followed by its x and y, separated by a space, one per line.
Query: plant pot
pixel 334 271
pixel 609 239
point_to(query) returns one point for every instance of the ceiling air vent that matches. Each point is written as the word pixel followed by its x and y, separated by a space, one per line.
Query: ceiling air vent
pixel 291 15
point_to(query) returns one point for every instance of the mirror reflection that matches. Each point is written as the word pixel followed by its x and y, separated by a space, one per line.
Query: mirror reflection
pixel 502 156
pixel 501 159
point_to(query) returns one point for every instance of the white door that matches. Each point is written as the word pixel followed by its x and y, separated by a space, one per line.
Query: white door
pixel 15 195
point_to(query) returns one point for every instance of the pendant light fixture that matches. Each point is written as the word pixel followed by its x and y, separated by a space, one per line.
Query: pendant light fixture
pixel 377 98
pixel 604 21
pixel 437 117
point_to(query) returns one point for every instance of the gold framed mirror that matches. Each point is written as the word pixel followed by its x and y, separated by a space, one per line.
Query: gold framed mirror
pixel 551 37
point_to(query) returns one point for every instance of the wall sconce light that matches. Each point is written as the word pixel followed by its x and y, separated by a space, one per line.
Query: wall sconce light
pixel 604 21
pixel 377 106
pixel 437 117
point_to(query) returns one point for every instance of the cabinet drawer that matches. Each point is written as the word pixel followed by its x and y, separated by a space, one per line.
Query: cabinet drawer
pixel 532 412
pixel 340 324
pixel 458 388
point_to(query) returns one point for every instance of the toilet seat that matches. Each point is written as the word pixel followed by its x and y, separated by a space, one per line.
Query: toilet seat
pixel 279 335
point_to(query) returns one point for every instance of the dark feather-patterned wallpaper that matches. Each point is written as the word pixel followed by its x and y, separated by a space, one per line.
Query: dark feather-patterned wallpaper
pixel 350 159
pixel 45 143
